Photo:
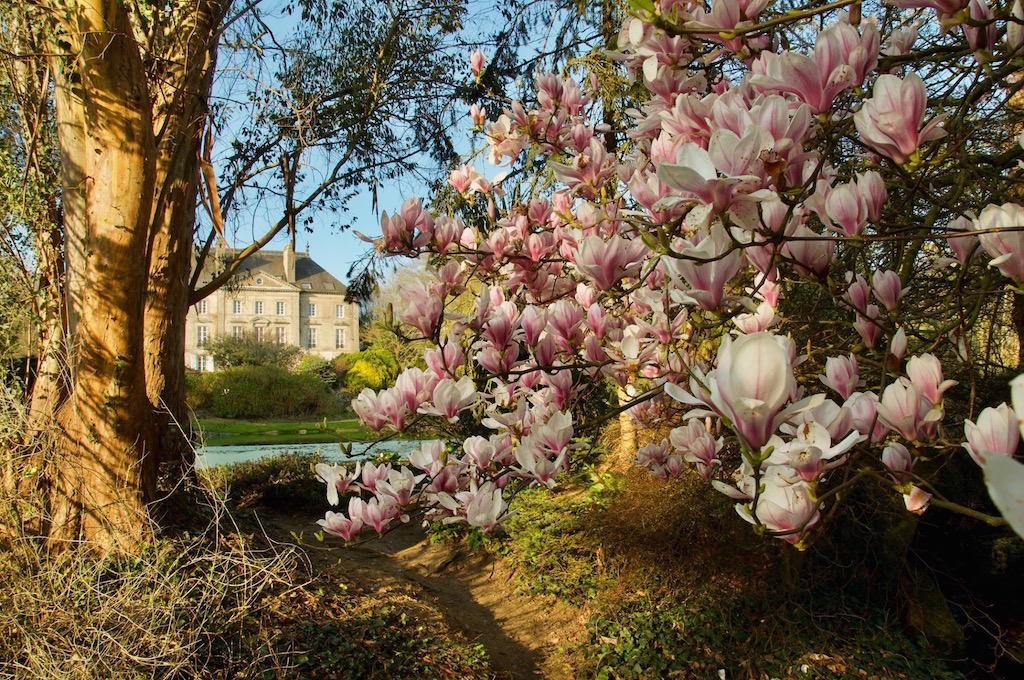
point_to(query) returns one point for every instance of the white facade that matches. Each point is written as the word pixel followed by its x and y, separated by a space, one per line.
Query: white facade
pixel 278 297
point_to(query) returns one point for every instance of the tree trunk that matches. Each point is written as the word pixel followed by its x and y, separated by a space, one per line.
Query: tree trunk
pixel 107 171
pixel 627 430
pixel 183 79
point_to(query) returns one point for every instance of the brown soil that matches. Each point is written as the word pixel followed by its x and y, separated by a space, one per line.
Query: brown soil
pixel 471 592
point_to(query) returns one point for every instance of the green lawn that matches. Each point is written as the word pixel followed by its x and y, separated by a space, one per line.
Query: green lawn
pixel 223 432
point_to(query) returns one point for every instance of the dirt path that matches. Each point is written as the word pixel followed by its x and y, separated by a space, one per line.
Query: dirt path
pixel 471 592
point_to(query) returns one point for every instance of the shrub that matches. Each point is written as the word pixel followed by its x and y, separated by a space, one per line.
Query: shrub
pixel 258 392
pixel 246 350
pixel 373 368
pixel 283 482
pixel 313 364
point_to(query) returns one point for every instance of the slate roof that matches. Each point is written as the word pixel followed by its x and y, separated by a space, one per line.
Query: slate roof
pixel 309 276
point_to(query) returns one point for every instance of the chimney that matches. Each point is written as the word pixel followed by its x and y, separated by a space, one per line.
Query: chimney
pixel 288 259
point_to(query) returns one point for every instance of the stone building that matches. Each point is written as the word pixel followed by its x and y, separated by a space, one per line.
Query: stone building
pixel 278 296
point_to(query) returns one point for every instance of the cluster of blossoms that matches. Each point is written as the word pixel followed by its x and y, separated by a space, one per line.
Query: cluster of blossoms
pixel 663 267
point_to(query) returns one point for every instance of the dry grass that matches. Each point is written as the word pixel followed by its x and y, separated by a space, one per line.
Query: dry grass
pixel 214 598
pixel 175 609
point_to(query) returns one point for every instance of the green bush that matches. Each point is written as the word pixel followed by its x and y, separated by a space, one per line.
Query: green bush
pixel 246 350
pixel 312 364
pixel 284 482
pixel 257 392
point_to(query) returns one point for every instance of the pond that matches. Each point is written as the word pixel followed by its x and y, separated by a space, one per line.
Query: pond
pixel 227 455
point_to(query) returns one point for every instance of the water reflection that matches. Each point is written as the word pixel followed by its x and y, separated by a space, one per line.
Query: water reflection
pixel 227 455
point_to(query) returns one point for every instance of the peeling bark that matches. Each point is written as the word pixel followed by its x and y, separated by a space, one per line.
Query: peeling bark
pixel 105 131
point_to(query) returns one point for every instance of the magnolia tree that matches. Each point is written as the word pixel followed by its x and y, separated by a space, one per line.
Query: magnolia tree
pixel 811 223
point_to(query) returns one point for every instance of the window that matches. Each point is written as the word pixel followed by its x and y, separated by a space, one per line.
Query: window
pixel 339 338
pixel 280 309
pixel 312 338
pixel 282 335
pixel 201 307
pixel 202 335
pixel 259 331
pixel 259 281
pixel 257 307
pixel 339 311
pixel 236 306
pixel 237 331
pixel 311 309
pixel 201 363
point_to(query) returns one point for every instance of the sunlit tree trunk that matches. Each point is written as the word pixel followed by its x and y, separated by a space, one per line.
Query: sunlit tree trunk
pixel 107 166
pixel 181 89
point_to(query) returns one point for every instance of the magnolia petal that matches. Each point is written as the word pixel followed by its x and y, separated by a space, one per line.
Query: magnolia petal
pixel 1004 477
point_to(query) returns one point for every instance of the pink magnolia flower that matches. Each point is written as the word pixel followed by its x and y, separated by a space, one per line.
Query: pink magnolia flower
pixel 760 320
pixel 784 509
pixel 963 246
pixel 698 447
pixel 858 292
pixel 366 408
pixel 812 254
pixel 607 262
pixel 944 8
pixel 476 62
pixel 867 327
pixel 996 433
pixel 413 387
pixel 842 375
pixel 706 267
pixel 903 409
pixel 887 288
pixel 478 114
pixel 872 188
pixel 400 485
pixel 537 462
pixel 443 360
pixel 1015 29
pixel 346 528
pixel 587 172
pixel 655 457
pixel 898 346
pixel 695 172
pixel 485 507
pixel 753 380
pixel 372 474
pixel 925 372
pixel 801 76
pixel 890 122
pixel 863 408
pixel 451 398
pixel 423 308
pixel 378 512
pixel 845 206
pixel 983 36
pixel 337 479
pixel 1017 398
pixel 462 178
pixel 479 452
pixel 392 407
pixel 1006 247
pixel 901 41
pixel 917 500
pixel 428 457
pixel 898 460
